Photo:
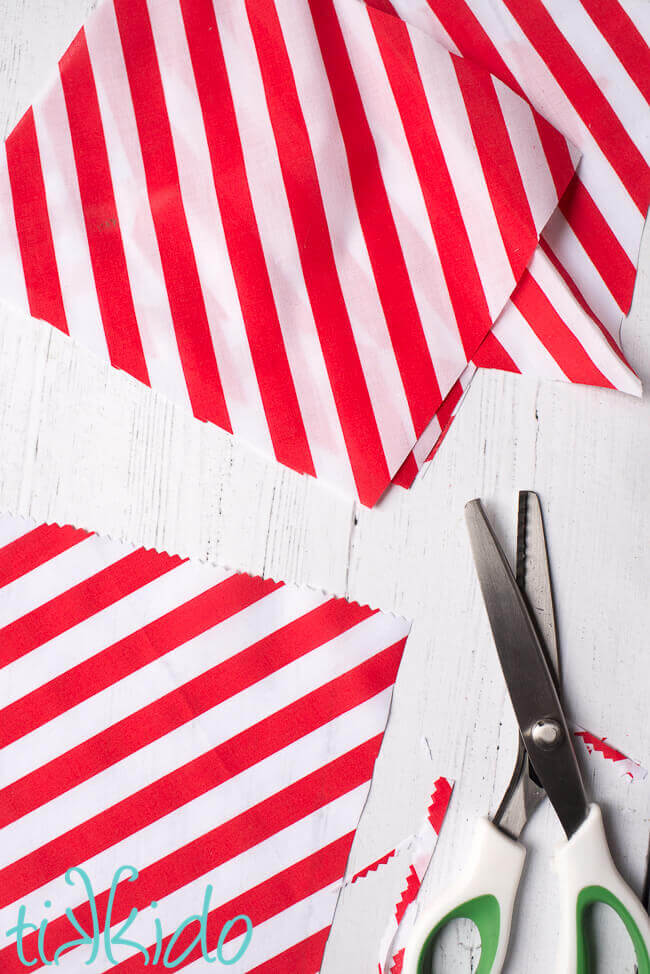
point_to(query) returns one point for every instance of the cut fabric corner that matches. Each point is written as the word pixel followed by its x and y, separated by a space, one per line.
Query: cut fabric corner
pixel 302 219
pixel 214 731
pixel 545 331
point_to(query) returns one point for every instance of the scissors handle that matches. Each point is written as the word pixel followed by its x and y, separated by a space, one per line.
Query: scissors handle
pixel 486 895
pixel 588 875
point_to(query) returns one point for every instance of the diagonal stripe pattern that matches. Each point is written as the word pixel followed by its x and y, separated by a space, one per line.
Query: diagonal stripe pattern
pixel 207 728
pixel 301 220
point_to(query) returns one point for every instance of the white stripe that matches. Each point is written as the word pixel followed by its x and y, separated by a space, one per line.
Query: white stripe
pixel 457 142
pixel 407 202
pixel 420 14
pixel 228 801
pixel 56 576
pixel 275 226
pixel 12 278
pixel 572 255
pixel 67 221
pixel 102 629
pixel 427 441
pixel 531 161
pixel 148 683
pixel 523 346
pixel 132 204
pixel 352 261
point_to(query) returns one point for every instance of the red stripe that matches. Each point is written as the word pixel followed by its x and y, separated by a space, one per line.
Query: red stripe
pixel 575 291
pixel 34 548
pixel 100 213
pixel 492 355
pixel 82 601
pixel 446 412
pixel 208 851
pixel 440 798
pixel 407 472
pixel 475 44
pixel 436 446
pixel 554 334
pixel 335 333
pixel 379 230
pixel 621 34
pixel 188 782
pixel 33 224
pixel 556 149
pixel 458 265
pixel 385 6
pixel 499 165
pixel 249 268
pixel 177 256
pixel 445 416
pixel 374 866
pixel 585 96
pixel 124 657
pixel 600 243
pixel 304 958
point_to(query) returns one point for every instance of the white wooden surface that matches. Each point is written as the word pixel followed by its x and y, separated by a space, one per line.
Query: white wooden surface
pixel 81 443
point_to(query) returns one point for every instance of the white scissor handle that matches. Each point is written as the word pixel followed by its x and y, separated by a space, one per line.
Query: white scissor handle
pixel 588 875
pixel 486 895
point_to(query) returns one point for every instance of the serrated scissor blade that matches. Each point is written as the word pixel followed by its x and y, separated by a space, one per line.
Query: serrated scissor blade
pixel 534 576
pixel 527 674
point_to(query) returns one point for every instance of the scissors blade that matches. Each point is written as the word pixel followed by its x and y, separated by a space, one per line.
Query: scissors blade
pixel 524 792
pixel 534 575
pixel 527 675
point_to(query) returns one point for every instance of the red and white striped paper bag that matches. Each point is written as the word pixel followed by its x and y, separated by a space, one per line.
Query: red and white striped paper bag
pixel 301 218
pixel 212 733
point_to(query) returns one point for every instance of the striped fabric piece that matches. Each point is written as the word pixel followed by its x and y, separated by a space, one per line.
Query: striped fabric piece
pixel 586 67
pixel 214 731
pixel 301 218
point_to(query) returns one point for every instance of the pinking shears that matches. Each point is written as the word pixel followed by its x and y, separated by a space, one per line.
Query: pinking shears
pixel 521 615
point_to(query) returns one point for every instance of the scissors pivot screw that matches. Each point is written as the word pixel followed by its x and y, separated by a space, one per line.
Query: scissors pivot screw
pixel 546 734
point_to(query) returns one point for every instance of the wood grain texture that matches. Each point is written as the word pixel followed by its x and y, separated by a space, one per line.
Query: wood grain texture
pixel 85 444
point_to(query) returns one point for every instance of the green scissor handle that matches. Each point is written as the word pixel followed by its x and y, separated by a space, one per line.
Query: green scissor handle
pixel 487 897
pixel 588 875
